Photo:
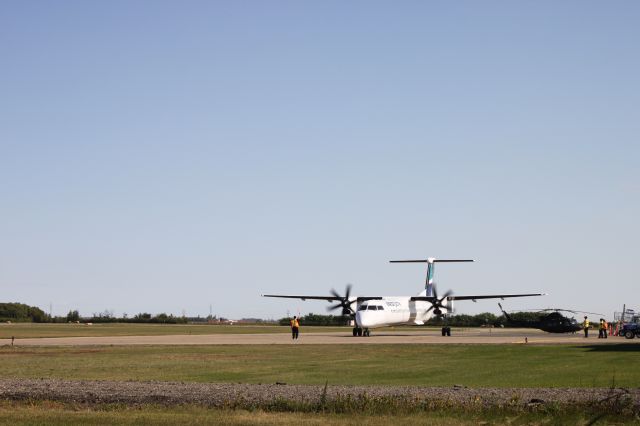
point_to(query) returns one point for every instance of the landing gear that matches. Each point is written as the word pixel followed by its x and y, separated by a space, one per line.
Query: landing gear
pixel 357 331
pixel 446 331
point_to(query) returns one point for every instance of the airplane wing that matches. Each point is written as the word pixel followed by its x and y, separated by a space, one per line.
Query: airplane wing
pixel 493 296
pixel 484 296
pixel 285 296
pixel 327 298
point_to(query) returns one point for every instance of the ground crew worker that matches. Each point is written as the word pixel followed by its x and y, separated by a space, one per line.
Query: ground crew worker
pixel 600 329
pixel 585 325
pixel 295 326
pixel 602 332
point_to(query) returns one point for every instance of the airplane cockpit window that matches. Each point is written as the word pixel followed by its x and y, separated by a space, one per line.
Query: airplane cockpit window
pixel 363 308
pixel 373 308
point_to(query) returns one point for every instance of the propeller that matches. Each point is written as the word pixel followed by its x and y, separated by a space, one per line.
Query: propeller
pixel 436 303
pixel 344 302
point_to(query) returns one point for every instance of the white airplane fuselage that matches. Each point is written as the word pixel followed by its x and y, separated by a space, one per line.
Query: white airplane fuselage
pixel 395 310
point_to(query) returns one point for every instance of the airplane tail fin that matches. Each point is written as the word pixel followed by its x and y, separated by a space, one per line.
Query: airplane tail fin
pixel 428 285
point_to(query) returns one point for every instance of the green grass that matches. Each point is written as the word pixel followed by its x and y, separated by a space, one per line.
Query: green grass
pixel 54 413
pixel 30 330
pixel 421 365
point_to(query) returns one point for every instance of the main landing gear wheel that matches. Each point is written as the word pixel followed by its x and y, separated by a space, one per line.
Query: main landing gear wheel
pixel 357 331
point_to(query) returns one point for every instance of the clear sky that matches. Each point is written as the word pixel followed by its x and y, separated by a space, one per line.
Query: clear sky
pixel 165 156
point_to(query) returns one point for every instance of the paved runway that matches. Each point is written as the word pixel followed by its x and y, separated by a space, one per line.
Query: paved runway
pixel 467 336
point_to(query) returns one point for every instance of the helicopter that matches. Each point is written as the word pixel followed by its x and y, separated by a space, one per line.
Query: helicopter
pixel 549 320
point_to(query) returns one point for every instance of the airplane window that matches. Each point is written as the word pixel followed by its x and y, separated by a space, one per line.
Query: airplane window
pixel 363 308
pixel 381 308
pixel 373 308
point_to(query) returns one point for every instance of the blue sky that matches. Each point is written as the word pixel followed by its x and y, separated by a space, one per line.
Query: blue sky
pixel 168 156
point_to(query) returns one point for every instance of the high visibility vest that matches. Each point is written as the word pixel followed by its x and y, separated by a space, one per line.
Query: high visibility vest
pixel 295 323
pixel 586 323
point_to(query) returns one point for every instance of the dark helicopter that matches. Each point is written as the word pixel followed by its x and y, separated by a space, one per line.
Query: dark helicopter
pixel 549 320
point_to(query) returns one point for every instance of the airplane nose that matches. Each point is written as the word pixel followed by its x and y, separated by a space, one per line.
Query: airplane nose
pixel 362 320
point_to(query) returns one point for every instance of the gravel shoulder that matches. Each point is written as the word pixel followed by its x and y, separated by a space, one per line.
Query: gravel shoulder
pixel 225 395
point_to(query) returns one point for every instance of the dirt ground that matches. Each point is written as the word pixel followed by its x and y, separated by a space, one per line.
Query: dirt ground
pixel 224 394
pixel 468 336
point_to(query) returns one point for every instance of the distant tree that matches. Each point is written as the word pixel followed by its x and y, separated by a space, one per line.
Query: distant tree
pixel 315 319
pixel 484 319
pixel 464 320
pixel 73 316
pixel 161 318
pixel 22 313
pixel 38 315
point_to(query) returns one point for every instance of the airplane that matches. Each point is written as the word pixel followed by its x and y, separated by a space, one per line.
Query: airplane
pixel 381 311
pixel 549 320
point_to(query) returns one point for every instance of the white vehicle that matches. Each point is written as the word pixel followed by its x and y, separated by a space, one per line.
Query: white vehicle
pixel 380 311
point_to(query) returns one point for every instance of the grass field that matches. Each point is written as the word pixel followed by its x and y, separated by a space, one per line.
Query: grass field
pixel 54 413
pixel 30 330
pixel 469 365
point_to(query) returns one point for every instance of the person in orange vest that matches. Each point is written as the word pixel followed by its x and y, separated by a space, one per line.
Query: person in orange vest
pixel 295 327
pixel 602 332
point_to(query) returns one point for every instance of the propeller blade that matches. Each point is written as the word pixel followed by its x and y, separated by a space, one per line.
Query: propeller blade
pixel 347 291
pixel 334 307
pixel 447 294
pixel 335 293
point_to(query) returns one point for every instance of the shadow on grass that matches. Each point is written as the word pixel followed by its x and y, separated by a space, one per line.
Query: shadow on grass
pixel 616 347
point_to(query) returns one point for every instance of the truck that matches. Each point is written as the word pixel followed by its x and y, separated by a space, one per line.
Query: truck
pixel 631 329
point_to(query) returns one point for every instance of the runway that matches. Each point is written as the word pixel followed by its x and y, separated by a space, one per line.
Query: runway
pixel 465 336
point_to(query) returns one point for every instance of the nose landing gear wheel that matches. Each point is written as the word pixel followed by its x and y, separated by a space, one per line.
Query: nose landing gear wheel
pixel 366 332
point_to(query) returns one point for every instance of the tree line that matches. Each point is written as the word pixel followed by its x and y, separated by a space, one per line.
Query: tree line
pixel 485 319
pixel 19 312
